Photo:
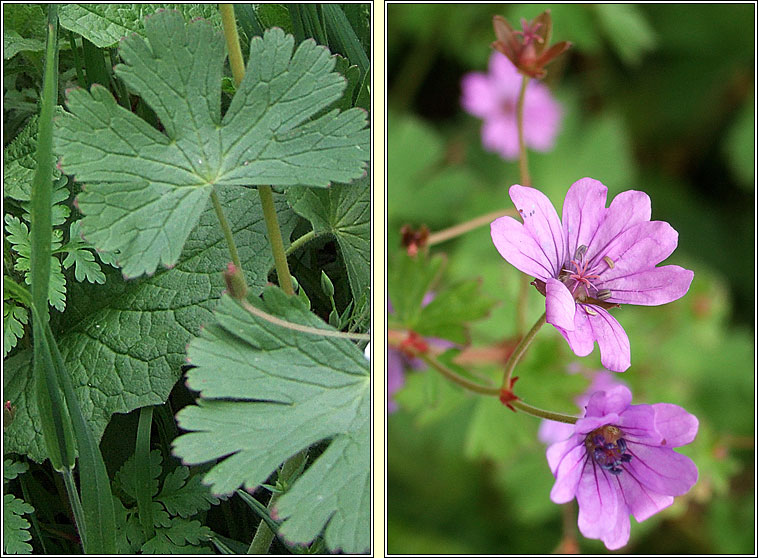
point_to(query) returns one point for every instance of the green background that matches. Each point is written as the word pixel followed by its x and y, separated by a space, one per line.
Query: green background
pixel 658 98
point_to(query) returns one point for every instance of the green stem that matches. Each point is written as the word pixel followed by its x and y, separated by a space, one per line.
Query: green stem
pixel 77 61
pixel 519 351
pixel 264 535
pixel 275 239
pixel 232 42
pixel 454 377
pixel 523 163
pixel 267 198
pixel 76 504
pixel 226 228
pixel 300 241
pixel 541 413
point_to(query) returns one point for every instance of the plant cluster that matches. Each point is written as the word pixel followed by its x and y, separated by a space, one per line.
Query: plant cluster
pixel 187 277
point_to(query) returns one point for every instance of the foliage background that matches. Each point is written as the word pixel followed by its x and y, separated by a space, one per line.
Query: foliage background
pixel 658 98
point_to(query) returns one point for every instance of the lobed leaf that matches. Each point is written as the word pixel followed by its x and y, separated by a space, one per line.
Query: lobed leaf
pixel 145 190
pixel 125 345
pixel 345 212
pixel 15 527
pixel 280 392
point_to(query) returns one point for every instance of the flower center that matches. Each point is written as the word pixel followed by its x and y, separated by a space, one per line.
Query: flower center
pixel 607 448
pixel 578 277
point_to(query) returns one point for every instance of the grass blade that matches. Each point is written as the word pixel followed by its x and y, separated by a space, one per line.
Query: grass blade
pixel 343 37
pixel 142 466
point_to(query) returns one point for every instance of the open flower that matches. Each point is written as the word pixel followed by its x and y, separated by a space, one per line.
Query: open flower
pixel 493 98
pixel 597 258
pixel 619 461
pixel 552 431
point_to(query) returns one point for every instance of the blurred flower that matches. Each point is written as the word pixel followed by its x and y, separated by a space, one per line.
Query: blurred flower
pixel 528 49
pixel 619 461
pixel 493 98
pixel 596 259
pixel 552 431
pixel 398 362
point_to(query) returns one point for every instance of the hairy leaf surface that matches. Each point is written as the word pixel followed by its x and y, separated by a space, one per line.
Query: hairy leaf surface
pixel 146 189
pixel 345 212
pixel 124 346
pixel 268 392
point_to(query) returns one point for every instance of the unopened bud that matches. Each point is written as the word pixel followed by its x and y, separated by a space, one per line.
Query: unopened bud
pixel 326 285
pixel 235 282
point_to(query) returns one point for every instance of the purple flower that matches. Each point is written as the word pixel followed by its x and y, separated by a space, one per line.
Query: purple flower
pixel 597 258
pixel 552 431
pixel 493 97
pixel 619 461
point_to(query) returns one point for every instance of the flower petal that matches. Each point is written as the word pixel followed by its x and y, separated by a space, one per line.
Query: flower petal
pixel 615 353
pixel 640 500
pixel 551 431
pixel 598 498
pixel 652 287
pixel 581 339
pixel 618 535
pixel 676 426
pixel 568 473
pixel 541 221
pixel 542 117
pixel 660 469
pixel 478 95
pixel 626 209
pixel 604 403
pixel 560 305
pixel 583 212
pixel 395 377
pixel 640 247
pixel 519 248
pixel 500 135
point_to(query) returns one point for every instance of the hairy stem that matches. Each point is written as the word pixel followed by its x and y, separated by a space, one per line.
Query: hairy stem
pixel 519 351
pixel 455 378
pixel 462 228
pixel 264 535
pixel 275 239
pixel 300 241
pixel 227 229
pixel 523 163
pixel 541 413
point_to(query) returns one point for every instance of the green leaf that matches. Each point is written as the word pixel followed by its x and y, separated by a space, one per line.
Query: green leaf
pixel 85 266
pixel 409 280
pixel 739 145
pixel 344 210
pixel 125 345
pixel 24 29
pixel 448 314
pixel 20 161
pixel 14 319
pixel 12 469
pixel 627 30
pixel 20 240
pixel 264 137
pixel 126 477
pixel 180 537
pixel 290 390
pixel 105 24
pixel 183 496
pixel 15 527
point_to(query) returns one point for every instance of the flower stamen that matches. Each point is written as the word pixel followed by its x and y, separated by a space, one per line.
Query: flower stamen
pixel 608 448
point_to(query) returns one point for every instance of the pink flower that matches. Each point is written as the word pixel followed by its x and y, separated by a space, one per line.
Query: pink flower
pixel 552 431
pixel 493 98
pixel 597 258
pixel 619 461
